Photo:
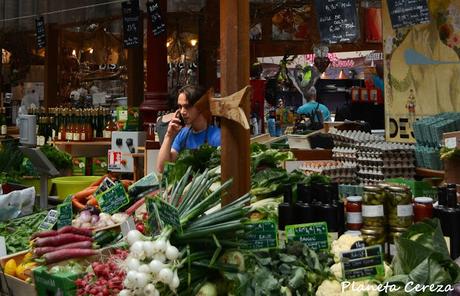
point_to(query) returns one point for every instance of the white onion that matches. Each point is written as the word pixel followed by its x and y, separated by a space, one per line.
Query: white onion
pixel 134 236
pixel 175 282
pixel 149 249
pixel 144 268
pixel 142 279
pixel 131 276
pixel 172 253
pixel 137 249
pixel 165 275
pixel 160 245
pixel 156 266
pixel 150 290
pixel 160 257
pixel 133 263
pixel 128 284
pixel 124 293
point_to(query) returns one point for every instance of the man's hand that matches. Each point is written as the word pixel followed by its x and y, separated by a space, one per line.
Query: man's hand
pixel 174 126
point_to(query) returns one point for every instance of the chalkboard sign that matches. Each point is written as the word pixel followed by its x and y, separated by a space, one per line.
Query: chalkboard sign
pixel 405 13
pixel 161 214
pixel 337 20
pixel 40 35
pixel 112 200
pixel 65 214
pixel 131 24
pixel 314 235
pixel 158 26
pixel 260 235
pixel 363 263
pixel 49 221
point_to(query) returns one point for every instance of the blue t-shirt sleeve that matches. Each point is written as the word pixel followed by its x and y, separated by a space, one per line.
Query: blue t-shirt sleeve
pixel 178 142
pixel 215 139
pixel 303 109
pixel 326 113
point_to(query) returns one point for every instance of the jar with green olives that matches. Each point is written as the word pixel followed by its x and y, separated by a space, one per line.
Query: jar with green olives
pixel 373 236
pixel 393 235
pixel 399 207
pixel 372 207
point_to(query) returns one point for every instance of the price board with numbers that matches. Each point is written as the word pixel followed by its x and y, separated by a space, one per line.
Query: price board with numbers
pixel 314 235
pixel 260 235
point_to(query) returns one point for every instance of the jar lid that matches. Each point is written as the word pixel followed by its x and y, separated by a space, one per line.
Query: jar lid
pixel 383 185
pixel 397 229
pixel 371 188
pixel 372 231
pixel 423 200
pixel 354 198
pixel 398 189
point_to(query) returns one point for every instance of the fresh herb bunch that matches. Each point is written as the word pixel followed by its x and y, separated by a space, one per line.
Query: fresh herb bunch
pixel 60 159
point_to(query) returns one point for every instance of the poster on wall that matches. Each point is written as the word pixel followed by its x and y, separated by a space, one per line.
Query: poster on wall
pixel 422 69
pixel 292 23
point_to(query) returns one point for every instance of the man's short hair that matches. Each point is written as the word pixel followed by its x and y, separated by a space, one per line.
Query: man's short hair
pixel 311 93
pixel 192 92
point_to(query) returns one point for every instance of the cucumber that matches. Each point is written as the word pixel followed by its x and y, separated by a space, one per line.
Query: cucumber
pixel 103 238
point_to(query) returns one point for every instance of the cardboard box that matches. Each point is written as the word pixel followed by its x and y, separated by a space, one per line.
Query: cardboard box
pixel 54 284
pixel 78 166
pixel 128 119
pixel 99 166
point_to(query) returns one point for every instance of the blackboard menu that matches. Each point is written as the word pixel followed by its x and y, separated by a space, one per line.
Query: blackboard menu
pixel 260 235
pixel 161 214
pixel 158 26
pixel 40 35
pixel 363 263
pixel 405 13
pixel 337 20
pixel 131 24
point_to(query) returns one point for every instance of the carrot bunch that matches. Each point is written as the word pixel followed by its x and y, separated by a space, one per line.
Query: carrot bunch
pixel 86 197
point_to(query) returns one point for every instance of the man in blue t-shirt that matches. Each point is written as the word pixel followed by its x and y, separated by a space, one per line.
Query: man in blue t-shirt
pixel 192 133
pixel 312 105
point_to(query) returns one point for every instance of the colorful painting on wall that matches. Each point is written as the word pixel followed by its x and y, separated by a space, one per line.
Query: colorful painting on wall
pixel 422 68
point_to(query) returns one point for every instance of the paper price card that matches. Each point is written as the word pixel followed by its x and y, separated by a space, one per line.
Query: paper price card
pixel 314 235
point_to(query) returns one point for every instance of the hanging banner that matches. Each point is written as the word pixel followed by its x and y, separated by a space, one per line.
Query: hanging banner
pixel 131 26
pixel 337 20
pixel 158 25
pixel 40 33
pixel 422 68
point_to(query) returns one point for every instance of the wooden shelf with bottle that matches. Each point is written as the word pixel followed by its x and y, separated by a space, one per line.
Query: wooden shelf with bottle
pixel 97 147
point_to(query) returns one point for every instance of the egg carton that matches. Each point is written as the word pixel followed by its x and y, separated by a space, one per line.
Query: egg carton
pixel 348 136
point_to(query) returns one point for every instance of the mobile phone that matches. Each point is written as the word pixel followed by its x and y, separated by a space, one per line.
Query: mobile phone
pixel 182 121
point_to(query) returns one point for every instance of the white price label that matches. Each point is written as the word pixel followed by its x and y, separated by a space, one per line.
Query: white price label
pixel 354 218
pixel 450 143
pixel 405 210
pixel 373 211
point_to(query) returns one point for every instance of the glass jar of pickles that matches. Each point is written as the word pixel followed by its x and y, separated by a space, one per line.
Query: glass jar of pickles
pixel 399 207
pixel 373 236
pixel 372 207
pixel 394 234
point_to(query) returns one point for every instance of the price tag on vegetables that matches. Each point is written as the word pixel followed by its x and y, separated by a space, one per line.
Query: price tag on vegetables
pixel 260 235
pixel 50 220
pixel 363 263
pixel 161 214
pixel 112 200
pixel 314 235
pixel 65 214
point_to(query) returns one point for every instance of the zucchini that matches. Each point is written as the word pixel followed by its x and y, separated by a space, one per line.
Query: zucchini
pixel 103 238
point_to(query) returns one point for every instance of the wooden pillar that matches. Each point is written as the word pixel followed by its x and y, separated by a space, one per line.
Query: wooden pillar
pixel 234 65
pixel 51 66
pixel 135 69
pixel 156 96
pixel 208 45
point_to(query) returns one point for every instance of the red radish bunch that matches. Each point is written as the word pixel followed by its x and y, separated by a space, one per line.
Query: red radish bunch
pixel 105 279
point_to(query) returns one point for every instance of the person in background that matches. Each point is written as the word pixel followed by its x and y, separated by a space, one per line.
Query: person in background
pixel 311 106
pixel 189 133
